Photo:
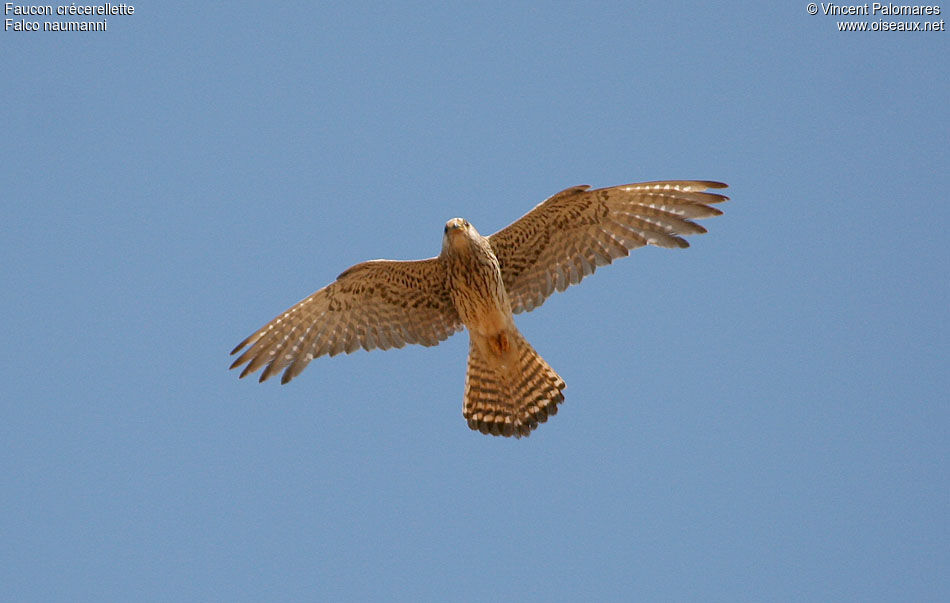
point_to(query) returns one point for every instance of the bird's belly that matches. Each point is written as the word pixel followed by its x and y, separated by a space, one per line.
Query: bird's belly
pixel 483 308
pixel 486 320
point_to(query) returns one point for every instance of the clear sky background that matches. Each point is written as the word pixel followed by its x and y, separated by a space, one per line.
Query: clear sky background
pixel 763 416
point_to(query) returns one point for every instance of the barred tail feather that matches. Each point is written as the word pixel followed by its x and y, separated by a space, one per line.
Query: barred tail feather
pixel 509 398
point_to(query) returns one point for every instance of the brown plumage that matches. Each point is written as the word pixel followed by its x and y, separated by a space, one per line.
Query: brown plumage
pixel 479 283
pixel 509 399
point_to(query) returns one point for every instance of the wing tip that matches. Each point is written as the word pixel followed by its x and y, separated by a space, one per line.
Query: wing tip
pixel 714 198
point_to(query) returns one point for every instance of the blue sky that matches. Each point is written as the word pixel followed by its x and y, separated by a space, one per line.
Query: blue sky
pixel 763 416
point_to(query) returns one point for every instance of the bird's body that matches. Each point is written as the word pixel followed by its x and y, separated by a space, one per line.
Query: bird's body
pixel 509 388
pixel 479 283
pixel 474 280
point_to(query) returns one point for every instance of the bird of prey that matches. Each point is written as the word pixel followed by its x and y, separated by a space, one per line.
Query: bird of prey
pixel 480 283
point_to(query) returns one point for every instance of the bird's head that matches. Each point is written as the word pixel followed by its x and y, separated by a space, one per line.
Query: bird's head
pixel 459 233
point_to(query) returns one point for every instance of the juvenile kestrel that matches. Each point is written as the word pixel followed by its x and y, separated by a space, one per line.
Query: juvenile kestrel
pixel 480 282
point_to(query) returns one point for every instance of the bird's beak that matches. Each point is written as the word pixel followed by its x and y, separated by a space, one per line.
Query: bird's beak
pixel 453 225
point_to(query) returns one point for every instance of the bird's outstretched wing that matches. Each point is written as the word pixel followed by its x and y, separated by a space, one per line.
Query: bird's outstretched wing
pixel 569 235
pixel 376 304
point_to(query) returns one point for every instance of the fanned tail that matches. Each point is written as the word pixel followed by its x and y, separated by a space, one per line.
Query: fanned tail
pixel 509 388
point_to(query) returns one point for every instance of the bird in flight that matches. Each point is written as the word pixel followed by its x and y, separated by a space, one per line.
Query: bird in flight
pixel 480 283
